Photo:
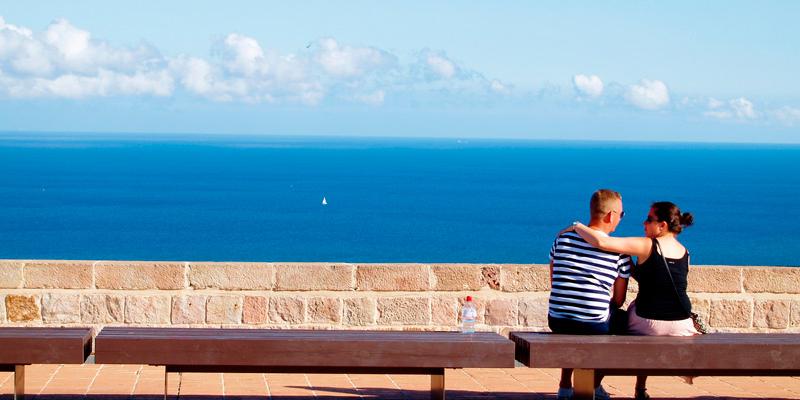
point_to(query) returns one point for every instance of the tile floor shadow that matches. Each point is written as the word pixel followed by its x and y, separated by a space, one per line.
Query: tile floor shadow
pixel 331 393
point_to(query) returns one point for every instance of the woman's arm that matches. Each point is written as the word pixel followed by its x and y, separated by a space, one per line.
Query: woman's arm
pixel 634 246
pixel 619 292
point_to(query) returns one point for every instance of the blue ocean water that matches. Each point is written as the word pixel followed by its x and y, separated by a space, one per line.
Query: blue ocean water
pixel 225 198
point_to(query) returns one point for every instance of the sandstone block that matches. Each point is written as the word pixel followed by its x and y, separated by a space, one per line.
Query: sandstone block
pixel 771 314
pixel 313 276
pixel 404 311
pixel 59 308
pixel 2 308
pixel 525 278
pixel 795 320
pixel 393 277
pixel 10 274
pixel 445 311
pixel 533 312
pixel 286 310
pixel 147 309
pixel 20 308
pixel 231 276
pixel 501 312
pixel 58 274
pixel 702 307
pixel 324 310
pixel 139 275
pixel 491 276
pixel 254 310
pixel 224 310
pixel 715 279
pixel 189 309
pixel 102 308
pixel 731 314
pixel 455 277
pixel 359 311
pixel 771 279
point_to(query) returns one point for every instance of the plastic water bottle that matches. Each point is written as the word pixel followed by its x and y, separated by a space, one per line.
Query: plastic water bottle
pixel 468 315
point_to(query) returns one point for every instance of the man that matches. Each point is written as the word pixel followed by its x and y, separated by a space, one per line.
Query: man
pixel 585 281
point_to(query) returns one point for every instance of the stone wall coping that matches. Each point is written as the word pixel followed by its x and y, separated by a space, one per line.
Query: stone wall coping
pixel 334 295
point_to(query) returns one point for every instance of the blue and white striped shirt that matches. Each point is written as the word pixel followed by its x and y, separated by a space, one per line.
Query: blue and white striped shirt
pixel 583 278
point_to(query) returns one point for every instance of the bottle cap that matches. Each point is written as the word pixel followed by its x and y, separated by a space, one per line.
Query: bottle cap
pixel 469 298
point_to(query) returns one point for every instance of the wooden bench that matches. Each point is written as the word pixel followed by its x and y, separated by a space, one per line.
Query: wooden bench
pixel 304 351
pixel 718 354
pixel 24 346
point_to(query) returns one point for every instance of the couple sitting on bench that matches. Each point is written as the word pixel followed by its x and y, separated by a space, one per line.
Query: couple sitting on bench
pixel 589 272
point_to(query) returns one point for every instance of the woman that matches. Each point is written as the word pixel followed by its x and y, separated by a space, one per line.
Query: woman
pixel 661 306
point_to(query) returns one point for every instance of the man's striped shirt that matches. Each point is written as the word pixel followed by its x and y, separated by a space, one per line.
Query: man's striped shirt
pixel 583 277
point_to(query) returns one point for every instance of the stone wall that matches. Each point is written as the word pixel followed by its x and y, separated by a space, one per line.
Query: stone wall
pixel 348 296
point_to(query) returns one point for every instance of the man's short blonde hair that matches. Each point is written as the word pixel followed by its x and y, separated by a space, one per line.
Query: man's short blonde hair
pixel 602 202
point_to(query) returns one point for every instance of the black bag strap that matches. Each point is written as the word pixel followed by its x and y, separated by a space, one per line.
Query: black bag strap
pixel 669 273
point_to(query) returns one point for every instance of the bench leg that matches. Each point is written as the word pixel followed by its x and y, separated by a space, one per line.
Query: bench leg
pixel 583 384
pixel 437 385
pixel 19 382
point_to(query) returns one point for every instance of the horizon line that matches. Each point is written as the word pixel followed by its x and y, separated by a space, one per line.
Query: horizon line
pixel 217 135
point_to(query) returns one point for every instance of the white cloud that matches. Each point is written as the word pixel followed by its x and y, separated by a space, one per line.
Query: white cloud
pixel 441 66
pixel 648 94
pixel 72 43
pixel 714 103
pixel 244 55
pixel 740 108
pixel 499 87
pixel 721 114
pixel 65 61
pixel 436 73
pixel 376 98
pixel 787 115
pixel 589 86
pixel 105 83
pixel 20 52
pixel 347 61
pixel 743 108
pixel 198 76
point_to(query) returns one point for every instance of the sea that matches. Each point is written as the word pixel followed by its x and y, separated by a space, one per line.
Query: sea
pixel 260 198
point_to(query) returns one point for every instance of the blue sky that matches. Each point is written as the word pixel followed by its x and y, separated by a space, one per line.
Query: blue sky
pixel 714 71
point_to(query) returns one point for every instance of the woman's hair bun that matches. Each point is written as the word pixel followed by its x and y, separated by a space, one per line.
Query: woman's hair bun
pixel 687 219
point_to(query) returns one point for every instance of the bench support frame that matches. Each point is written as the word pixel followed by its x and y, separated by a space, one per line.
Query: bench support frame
pixel 19 382
pixel 19 378
pixel 583 383
pixel 437 374
pixel 584 378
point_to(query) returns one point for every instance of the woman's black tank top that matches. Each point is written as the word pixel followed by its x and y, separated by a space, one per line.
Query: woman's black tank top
pixel 657 299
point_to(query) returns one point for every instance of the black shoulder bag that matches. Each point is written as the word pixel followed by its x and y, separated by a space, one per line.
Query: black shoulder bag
pixel 699 324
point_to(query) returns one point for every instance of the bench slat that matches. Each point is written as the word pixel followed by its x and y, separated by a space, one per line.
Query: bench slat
pixel 719 351
pixel 302 348
pixel 20 346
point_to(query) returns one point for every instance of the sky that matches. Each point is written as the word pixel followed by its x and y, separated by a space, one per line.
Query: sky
pixel 647 71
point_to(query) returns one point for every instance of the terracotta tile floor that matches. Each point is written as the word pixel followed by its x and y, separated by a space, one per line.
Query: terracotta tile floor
pixel 125 382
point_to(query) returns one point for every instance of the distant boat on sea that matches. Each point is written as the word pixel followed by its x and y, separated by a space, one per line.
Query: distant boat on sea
pixel 324 202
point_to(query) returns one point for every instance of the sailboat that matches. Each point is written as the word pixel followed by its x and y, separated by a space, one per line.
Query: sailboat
pixel 324 201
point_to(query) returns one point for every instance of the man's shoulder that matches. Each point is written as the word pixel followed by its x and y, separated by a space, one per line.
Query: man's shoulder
pixel 573 239
pixel 568 234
